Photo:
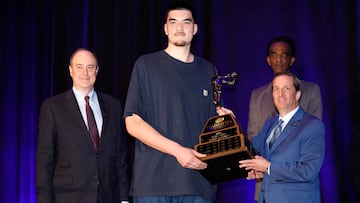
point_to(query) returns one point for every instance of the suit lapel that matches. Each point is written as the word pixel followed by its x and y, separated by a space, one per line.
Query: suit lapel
pixel 290 127
pixel 105 114
pixel 75 110
pixel 75 113
pixel 269 130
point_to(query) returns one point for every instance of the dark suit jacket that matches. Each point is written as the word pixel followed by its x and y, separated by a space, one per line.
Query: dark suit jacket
pixel 296 158
pixel 68 168
pixel 262 106
pixel 354 158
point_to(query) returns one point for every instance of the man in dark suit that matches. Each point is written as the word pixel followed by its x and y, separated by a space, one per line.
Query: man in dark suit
pixel 69 166
pixel 289 161
pixel 281 56
pixel 354 157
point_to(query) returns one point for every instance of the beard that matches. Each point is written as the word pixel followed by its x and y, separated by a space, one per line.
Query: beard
pixel 180 43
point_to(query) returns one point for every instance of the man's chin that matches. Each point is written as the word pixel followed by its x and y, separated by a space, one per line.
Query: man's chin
pixel 179 44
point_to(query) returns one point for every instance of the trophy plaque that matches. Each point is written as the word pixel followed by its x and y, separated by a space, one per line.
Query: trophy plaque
pixel 223 140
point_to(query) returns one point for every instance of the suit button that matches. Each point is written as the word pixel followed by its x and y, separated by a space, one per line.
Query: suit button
pixel 96 177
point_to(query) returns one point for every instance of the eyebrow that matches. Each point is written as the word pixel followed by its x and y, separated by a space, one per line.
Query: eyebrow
pixel 81 64
pixel 186 19
pixel 271 51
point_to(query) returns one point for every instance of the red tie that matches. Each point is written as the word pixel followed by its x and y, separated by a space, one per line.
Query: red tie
pixel 94 134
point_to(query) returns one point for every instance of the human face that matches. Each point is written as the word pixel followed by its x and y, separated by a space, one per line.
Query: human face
pixel 285 96
pixel 83 71
pixel 180 27
pixel 279 58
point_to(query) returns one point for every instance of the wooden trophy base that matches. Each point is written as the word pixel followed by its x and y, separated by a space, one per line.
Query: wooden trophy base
pixel 224 142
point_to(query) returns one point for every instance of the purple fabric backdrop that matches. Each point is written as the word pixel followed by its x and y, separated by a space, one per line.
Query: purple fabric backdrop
pixel 37 38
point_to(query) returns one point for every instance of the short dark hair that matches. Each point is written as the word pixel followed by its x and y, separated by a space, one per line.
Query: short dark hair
pixel 181 5
pixel 295 79
pixel 284 39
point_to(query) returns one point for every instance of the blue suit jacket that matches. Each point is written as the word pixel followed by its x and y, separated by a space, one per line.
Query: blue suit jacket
pixel 296 158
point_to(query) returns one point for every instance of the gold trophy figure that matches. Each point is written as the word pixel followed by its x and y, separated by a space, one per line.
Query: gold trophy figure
pixel 223 140
pixel 217 83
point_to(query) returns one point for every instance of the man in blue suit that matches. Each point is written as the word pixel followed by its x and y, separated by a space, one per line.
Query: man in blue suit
pixel 290 166
pixel 281 52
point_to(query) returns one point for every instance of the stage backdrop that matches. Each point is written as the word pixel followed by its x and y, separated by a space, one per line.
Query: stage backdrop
pixel 37 38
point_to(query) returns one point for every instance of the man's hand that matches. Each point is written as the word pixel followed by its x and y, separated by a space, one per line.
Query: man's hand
pixel 189 158
pixel 258 164
pixel 222 111
pixel 254 175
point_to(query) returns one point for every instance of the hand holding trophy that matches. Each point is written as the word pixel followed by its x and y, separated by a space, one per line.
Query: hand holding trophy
pixel 223 140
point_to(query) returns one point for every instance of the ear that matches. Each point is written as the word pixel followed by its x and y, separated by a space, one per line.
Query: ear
pixel 165 29
pixel 70 70
pixel 268 60
pixel 292 61
pixel 195 29
pixel 298 95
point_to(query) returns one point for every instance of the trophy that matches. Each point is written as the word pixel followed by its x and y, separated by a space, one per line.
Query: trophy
pixel 223 140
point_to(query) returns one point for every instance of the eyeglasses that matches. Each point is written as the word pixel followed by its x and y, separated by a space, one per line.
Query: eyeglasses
pixel 80 67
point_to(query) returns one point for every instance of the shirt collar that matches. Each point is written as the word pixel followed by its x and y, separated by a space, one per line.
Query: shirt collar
pixel 288 116
pixel 80 96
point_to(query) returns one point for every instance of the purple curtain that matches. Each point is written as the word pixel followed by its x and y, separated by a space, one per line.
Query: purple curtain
pixel 37 38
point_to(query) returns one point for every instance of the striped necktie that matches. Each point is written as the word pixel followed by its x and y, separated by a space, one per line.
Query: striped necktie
pixel 276 132
pixel 93 131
